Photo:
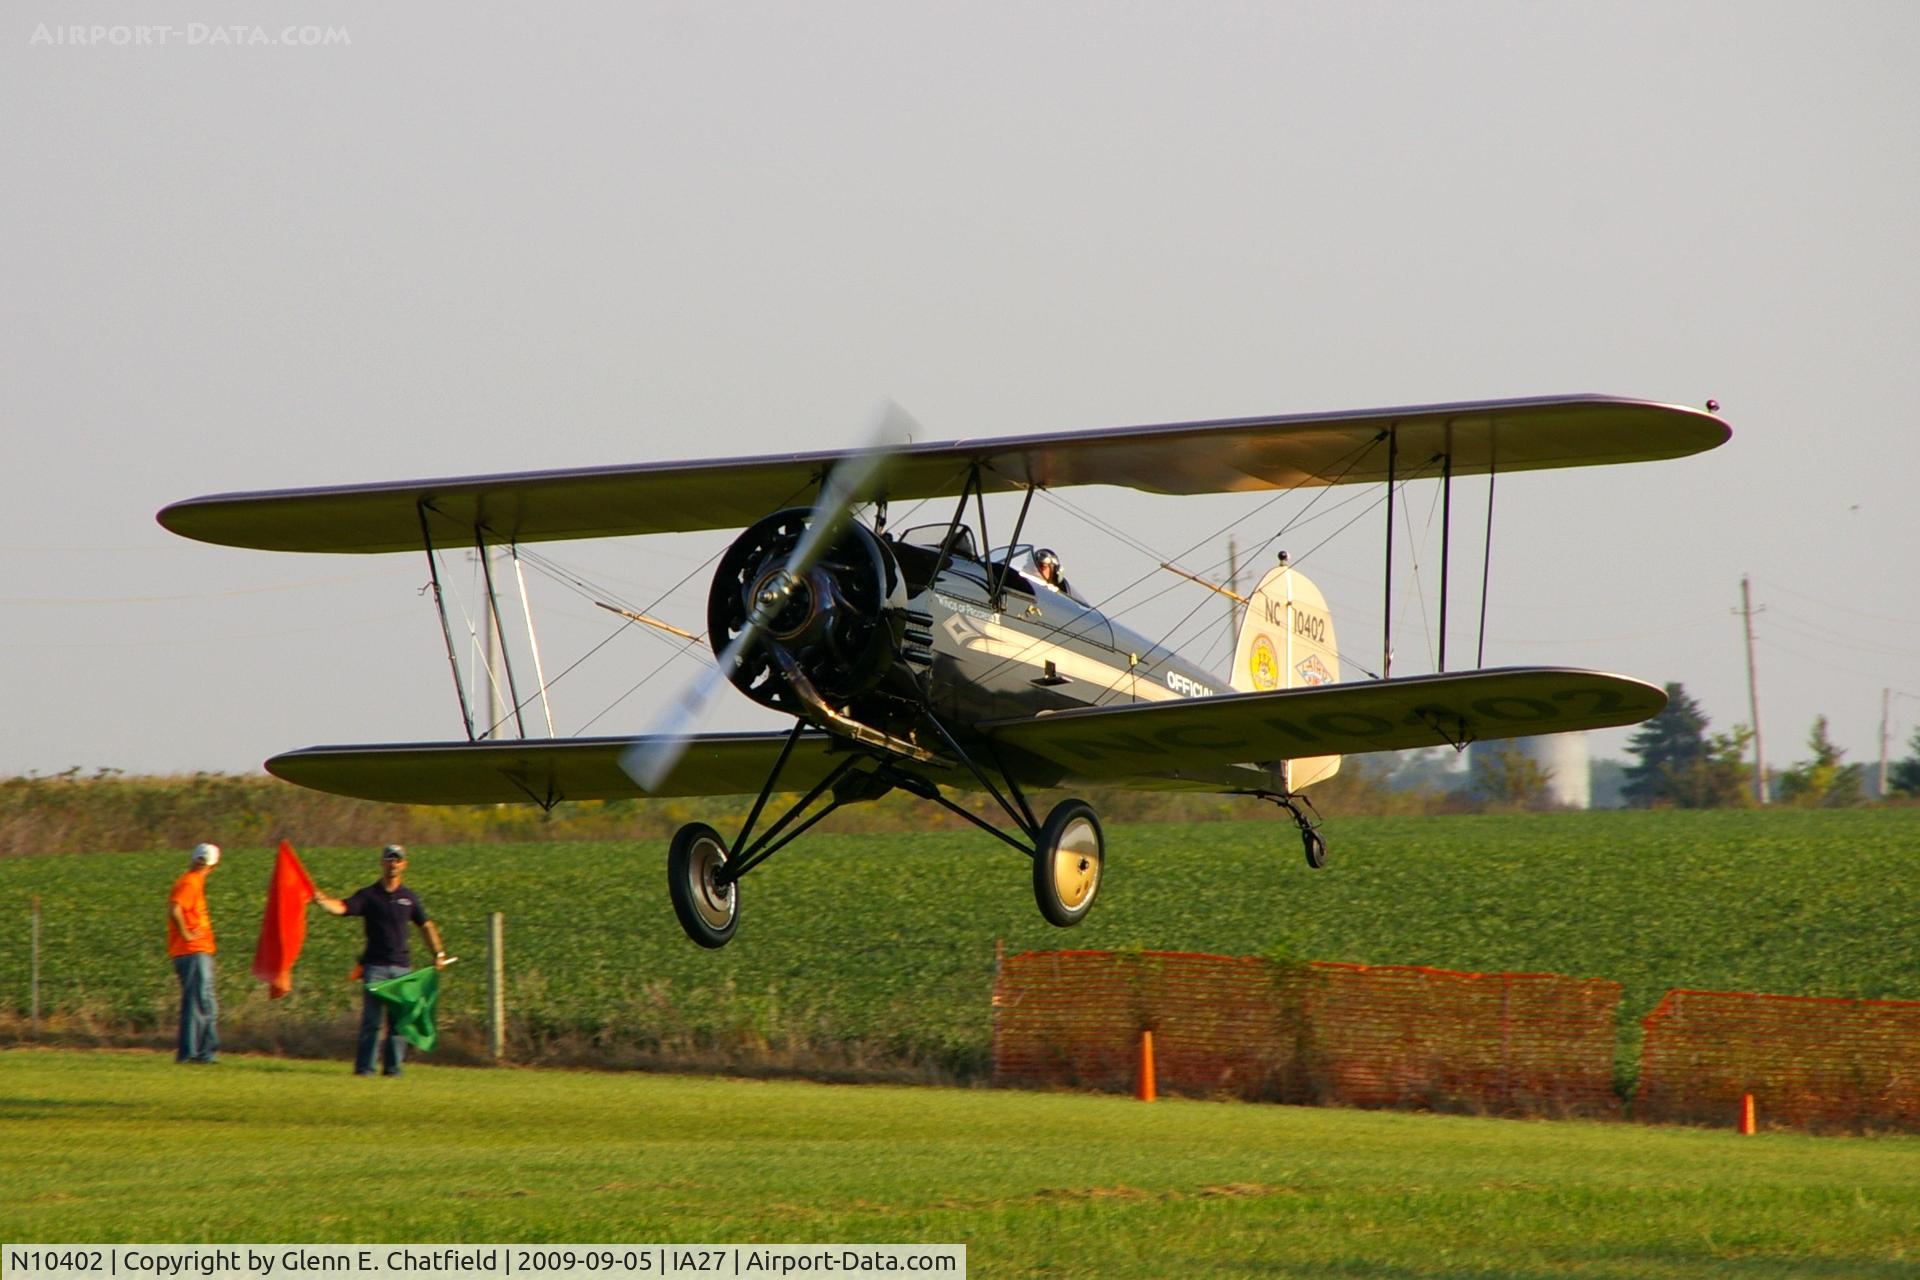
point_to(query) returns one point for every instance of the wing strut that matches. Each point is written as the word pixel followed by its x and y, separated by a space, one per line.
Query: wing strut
pixel 446 630
pixel 1446 528
pixel 954 525
pixel 980 504
pixel 1386 603
pixel 996 594
pixel 1486 566
pixel 1445 459
pixel 498 632
pixel 495 627
pixel 533 641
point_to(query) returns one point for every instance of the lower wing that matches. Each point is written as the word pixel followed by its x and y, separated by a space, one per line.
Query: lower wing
pixel 1205 744
pixel 549 770
pixel 1191 741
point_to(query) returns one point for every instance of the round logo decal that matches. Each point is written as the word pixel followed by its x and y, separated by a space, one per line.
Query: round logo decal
pixel 1264 666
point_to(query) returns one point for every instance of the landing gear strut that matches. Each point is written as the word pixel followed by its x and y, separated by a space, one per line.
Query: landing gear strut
pixel 1068 850
pixel 1311 840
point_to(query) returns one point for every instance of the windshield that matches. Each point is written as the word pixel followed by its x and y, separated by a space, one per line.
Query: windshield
pixel 931 536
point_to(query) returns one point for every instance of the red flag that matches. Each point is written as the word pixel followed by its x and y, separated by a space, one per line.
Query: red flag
pixel 284 926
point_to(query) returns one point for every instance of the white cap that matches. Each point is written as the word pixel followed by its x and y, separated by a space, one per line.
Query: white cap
pixel 209 854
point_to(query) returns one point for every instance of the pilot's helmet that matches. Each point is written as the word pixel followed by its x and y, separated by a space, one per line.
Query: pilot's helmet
pixel 1045 559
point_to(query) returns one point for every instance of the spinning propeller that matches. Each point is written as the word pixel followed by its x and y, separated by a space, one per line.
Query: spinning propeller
pixel 853 481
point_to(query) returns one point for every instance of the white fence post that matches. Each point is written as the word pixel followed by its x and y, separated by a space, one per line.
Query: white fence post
pixel 497 984
pixel 33 970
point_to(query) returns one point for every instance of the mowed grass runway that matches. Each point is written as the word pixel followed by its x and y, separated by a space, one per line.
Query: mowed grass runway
pixel 126 1146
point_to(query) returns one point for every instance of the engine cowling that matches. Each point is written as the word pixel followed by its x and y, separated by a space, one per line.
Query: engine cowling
pixel 840 621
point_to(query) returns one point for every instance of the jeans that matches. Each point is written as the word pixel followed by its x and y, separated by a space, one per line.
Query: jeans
pixel 199 1009
pixel 373 1010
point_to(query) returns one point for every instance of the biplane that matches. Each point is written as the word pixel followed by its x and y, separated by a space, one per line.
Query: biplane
pixel 931 661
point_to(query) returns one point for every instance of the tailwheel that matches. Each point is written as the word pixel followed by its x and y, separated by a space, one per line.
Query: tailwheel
pixel 708 908
pixel 1311 840
pixel 1068 863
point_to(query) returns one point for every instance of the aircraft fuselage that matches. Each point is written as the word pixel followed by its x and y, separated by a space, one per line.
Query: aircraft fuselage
pixel 1041 650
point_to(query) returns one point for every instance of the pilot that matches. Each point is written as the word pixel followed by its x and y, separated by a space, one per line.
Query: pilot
pixel 1049 566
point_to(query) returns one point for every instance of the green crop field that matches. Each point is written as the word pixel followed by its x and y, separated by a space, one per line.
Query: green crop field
pixel 876 951
pixel 128 1147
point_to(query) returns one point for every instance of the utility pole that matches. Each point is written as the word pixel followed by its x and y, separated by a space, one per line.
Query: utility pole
pixel 1233 607
pixel 1886 705
pixel 1753 698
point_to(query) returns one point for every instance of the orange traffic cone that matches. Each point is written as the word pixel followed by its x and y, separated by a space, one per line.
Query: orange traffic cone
pixel 1143 1084
pixel 1746 1114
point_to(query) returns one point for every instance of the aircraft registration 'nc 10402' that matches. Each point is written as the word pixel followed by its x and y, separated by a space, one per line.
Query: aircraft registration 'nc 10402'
pixel 923 660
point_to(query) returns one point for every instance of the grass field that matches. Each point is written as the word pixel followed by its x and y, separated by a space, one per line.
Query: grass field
pixel 125 1146
pixel 879 948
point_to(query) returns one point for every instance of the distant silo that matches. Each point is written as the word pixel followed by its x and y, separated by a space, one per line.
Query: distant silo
pixel 1562 757
pixel 1565 756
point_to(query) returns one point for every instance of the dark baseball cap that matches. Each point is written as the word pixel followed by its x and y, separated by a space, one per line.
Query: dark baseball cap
pixel 394 853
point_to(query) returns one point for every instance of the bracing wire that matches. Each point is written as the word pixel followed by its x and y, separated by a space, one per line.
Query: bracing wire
pixel 696 648
pixel 1828 604
pixel 1173 636
pixel 583 587
pixel 1413 560
pixel 476 651
pixel 683 647
pixel 1352 460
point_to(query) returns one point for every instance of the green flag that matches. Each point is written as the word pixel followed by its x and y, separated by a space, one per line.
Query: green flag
pixel 413 997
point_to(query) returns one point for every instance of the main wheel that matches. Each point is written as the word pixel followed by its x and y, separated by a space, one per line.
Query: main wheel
pixel 1316 846
pixel 708 909
pixel 1066 870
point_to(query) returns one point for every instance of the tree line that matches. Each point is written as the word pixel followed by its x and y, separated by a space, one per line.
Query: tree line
pixel 1678 764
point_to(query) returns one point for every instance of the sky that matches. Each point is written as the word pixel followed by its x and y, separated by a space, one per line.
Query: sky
pixel 353 242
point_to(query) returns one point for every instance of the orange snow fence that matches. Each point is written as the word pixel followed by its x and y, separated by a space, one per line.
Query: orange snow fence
pixel 1501 1043
pixel 1355 1035
pixel 1809 1062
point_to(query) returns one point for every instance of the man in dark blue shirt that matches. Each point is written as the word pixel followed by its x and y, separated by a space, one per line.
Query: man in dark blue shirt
pixel 386 907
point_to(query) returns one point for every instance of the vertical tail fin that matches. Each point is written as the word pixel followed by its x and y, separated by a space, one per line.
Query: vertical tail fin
pixel 1286 641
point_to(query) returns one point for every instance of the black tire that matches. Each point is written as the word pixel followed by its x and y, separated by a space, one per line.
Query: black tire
pixel 1071 859
pixel 1316 846
pixel 707 911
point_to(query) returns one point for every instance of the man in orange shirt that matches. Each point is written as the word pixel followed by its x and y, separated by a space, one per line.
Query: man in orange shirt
pixel 190 943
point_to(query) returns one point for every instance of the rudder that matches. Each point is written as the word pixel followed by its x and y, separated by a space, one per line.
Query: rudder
pixel 1287 642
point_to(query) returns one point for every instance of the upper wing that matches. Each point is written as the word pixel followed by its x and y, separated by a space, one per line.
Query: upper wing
pixel 1222 456
pixel 1154 745
pixel 549 770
